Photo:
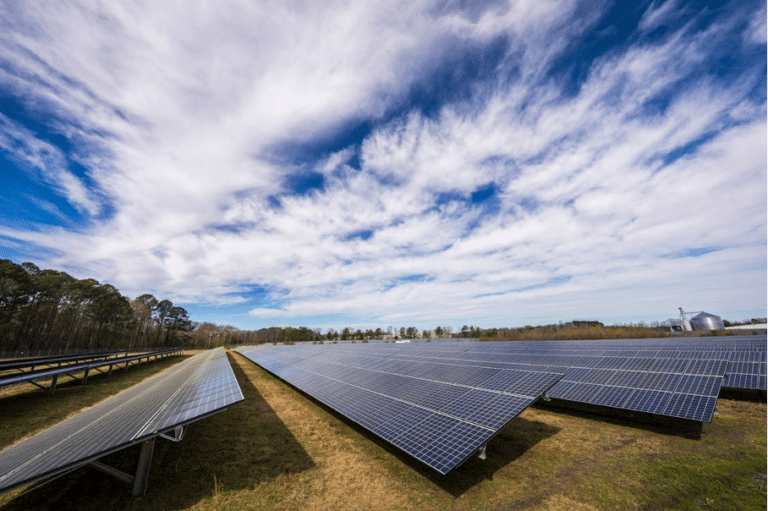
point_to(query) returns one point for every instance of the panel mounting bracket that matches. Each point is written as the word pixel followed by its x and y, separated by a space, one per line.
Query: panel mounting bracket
pixel 178 434
pixel 481 452
pixel 546 397
pixel 138 481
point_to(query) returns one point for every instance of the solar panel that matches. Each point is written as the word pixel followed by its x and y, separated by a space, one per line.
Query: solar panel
pixel 195 388
pixel 439 413
pixel 688 406
pixel 649 401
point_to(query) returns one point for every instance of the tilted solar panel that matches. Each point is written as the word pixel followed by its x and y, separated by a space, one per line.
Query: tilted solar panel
pixel 195 388
pixel 439 413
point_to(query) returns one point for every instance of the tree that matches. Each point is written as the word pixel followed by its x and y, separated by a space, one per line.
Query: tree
pixel 16 291
pixel 439 331
pixel 144 314
pixel 110 312
pixel 177 323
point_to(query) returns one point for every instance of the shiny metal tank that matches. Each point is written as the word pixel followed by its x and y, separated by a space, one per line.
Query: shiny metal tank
pixel 707 322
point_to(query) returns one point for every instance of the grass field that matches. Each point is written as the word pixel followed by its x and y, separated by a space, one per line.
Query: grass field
pixel 280 450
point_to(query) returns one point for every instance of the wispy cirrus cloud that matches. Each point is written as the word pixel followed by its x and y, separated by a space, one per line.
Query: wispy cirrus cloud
pixel 400 163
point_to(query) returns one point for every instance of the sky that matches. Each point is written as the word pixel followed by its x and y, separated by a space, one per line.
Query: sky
pixel 419 163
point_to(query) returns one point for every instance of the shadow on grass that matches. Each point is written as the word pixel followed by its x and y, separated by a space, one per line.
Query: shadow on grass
pixel 505 448
pixel 646 421
pixel 748 395
pixel 238 449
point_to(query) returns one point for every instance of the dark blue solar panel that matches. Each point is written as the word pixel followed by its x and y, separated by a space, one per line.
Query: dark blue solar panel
pixel 421 434
pixel 611 396
pixel 495 412
pixel 743 367
pixel 638 364
pixel 626 379
pixel 700 385
pixel 580 392
pixel 611 362
pixel 447 451
pixel 660 381
pixel 687 406
pixel 669 365
pixel 742 381
pixel 708 367
pixel 560 389
pixel 427 410
pixel 649 401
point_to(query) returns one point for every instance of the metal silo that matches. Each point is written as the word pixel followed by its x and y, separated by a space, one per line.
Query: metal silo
pixel 707 322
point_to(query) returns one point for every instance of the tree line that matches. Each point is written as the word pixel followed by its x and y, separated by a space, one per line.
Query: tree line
pixel 51 311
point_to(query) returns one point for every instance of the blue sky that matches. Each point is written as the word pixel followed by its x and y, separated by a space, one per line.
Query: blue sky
pixel 423 163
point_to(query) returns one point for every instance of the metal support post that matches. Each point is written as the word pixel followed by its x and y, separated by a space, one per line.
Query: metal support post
pixel 54 381
pixel 481 452
pixel 142 471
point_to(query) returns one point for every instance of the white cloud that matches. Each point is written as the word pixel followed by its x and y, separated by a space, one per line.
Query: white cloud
pixel 657 14
pixel 181 112
pixel 45 161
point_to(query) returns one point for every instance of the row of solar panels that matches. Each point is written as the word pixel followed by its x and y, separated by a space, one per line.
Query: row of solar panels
pixel 158 406
pixel 58 360
pixel 66 367
pixel 744 356
pixel 440 402
pixel 440 419
pixel 670 377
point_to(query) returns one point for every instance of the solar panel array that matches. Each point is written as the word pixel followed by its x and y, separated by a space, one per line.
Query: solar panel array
pixel 439 413
pixel 32 362
pixel 34 373
pixel 673 377
pixel 195 388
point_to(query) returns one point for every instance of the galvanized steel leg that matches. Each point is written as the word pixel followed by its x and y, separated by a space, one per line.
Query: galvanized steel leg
pixel 142 471
pixel 54 381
